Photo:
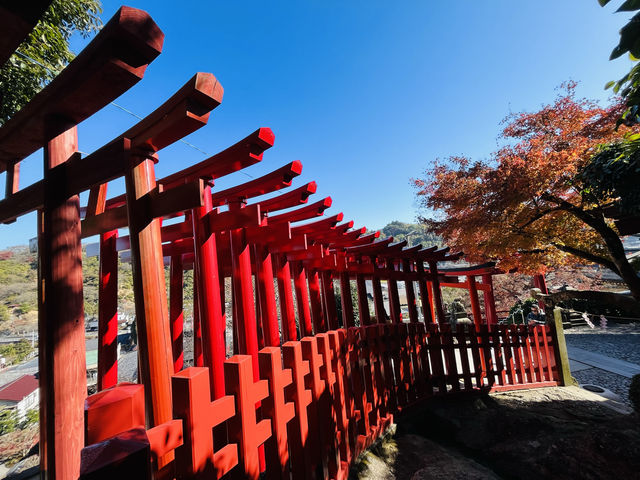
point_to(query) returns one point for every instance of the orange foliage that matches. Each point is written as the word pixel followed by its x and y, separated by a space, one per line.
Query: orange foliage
pixel 522 207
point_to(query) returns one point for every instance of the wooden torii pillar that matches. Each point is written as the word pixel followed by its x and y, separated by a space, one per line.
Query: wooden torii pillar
pixel 436 292
pixel 95 77
pixel 489 299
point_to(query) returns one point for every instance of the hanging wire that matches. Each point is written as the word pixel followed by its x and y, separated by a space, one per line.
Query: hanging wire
pixel 124 109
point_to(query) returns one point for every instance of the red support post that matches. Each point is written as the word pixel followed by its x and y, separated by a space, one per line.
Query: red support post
pixel 329 300
pixel 63 382
pixel 475 304
pixel 152 315
pixel 212 321
pixel 346 301
pixel 302 299
pixel 540 282
pixel 176 311
pixel 363 301
pixel 489 300
pixel 199 415
pixel 108 312
pixel 317 315
pixel 394 298
pixel 437 294
pixel 378 302
pixel 267 296
pixel 286 299
pixel 244 314
pixel 276 408
pixel 244 428
pixel 300 442
pixel 411 294
pixel 198 359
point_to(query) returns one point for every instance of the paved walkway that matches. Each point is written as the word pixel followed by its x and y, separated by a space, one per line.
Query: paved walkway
pixel 583 359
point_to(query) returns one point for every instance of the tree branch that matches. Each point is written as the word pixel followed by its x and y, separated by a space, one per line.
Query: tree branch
pixel 605 262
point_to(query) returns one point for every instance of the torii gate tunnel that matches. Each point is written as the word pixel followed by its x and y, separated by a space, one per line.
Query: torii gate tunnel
pixel 309 385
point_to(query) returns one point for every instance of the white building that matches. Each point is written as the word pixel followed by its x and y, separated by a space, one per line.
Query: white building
pixel 22 395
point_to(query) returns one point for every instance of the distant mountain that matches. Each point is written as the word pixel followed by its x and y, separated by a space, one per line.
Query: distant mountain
pixel 413 233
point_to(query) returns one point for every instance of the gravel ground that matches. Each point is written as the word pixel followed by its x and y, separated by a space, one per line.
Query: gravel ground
pixel 618 341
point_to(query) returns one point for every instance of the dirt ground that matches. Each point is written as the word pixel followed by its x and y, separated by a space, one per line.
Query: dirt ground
pixel 559 433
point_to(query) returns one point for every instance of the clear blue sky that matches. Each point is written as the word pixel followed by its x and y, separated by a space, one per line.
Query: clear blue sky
pixel 365 94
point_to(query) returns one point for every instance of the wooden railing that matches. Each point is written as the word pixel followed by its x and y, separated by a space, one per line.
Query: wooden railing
pixel 323 400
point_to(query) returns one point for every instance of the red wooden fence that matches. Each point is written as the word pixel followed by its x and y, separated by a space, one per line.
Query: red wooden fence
pixel 324 400
pixel 303 409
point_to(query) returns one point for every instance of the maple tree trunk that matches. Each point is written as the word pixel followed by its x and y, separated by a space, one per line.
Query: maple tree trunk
pixel 616 250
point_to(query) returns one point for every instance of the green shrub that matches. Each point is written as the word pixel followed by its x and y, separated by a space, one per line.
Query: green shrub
pixel 634 392
pixel 8 421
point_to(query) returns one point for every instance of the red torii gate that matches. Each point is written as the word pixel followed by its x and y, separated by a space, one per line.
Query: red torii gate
pixel 328 387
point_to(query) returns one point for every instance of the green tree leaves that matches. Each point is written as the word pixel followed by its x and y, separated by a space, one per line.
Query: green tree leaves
pixel 45 52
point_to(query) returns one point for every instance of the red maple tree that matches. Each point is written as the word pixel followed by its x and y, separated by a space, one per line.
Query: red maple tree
pixel 524 207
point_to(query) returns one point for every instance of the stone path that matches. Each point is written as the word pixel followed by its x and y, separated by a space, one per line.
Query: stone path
pixel 605 357
pixel 603 362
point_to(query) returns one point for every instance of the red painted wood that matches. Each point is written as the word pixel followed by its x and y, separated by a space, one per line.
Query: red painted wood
pixel 315 298
pixel 152 316
pixel 342 404
pixel 317 415
pixel 244 314
pixel 63 383
pixel 326 407
pixel 125 455
pixel 363 301
pixel 435 356
pixel 361 403
pixel 310 211
pixel 425 300
pixel 437 294
pixel 547 352
pixel 378 302
pixel 462 334
pixel 329 297
pixel 176 312
pixel 500 357
pixel 290 199
pixel 108 312
pixel 244 153
pixel 13 179
pixel 346 301
pixel 529 354
pixel 475 304
pixel 244 428
pixel 113 62
pixel 267 295
pixel 278 410
pixel 276 180
pixel 489 300
pixel 418 367
pixel 192 404
pixel 198 359
pixel 210 308
pixel 113 411
pixel 411 294
pixel 477 357
pixel 319 226
pixel 394 301
pixel 505 333
pixel 538 356
pixel 301 396
pixel 285 292
pixel 405 361
pixel 302 299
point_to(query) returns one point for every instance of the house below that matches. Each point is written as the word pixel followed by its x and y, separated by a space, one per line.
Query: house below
pixel 21 394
